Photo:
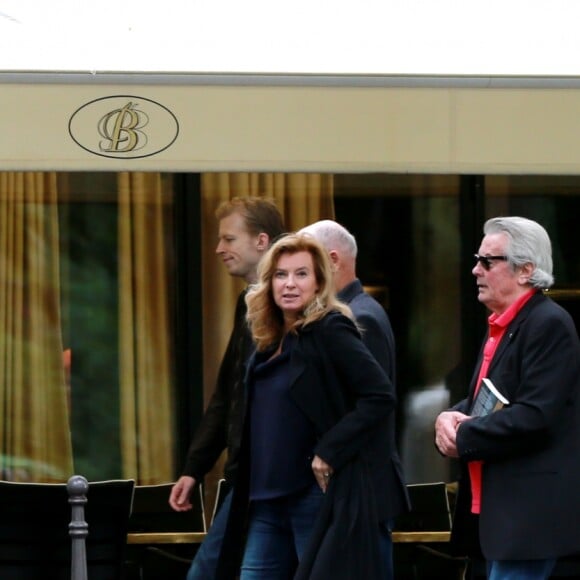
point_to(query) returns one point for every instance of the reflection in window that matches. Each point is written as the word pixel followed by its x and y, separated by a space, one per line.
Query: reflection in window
pixel 408 232
pixel 35 441
pixel 87 380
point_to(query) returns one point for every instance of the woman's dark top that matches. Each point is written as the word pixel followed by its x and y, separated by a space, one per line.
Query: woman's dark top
pixel 281 437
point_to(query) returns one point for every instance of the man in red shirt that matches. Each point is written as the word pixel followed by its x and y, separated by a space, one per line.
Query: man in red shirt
pixel 518 494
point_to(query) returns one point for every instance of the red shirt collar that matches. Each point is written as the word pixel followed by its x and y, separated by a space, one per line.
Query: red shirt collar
pixel 503 319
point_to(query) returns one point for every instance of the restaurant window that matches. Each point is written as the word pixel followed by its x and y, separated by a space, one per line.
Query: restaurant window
pixel 408 232
pixel 86 352
pixel 99 366
pixel 90 278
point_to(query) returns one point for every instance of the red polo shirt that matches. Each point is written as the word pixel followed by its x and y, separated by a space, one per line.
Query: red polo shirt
pixel 498 324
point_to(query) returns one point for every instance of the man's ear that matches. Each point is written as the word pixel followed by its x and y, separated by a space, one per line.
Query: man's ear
pixel 525 273
pixel 263 241
pixel 334 257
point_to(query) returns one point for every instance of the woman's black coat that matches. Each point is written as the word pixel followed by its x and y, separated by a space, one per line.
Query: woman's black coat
pixel 347 396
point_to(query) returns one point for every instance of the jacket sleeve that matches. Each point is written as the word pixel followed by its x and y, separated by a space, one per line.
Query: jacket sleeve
pixel 210 438
pixel 212 434
pixel 354 375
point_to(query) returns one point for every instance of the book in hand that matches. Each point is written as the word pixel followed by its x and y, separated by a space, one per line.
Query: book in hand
pixel 487 400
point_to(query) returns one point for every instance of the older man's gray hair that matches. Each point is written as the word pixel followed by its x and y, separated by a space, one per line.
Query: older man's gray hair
pixel 332 236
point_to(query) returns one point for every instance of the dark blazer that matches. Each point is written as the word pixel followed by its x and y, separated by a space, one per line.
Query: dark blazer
pixel 221 425
pixel 347 396
pixel 377 335
pixel 530 504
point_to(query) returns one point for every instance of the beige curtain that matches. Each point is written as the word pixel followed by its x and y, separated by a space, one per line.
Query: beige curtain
pixel 302 199
pixel 35 440
pixel 147 432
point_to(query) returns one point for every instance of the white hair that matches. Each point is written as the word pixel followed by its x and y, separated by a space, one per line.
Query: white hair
pixel 332 236
pixel 528 243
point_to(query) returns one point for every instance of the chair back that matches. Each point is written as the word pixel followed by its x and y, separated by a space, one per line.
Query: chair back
pixel 34 530
pixel 152 513
pixel 429 509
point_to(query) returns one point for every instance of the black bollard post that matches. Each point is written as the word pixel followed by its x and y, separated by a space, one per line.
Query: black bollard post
pixel 77 488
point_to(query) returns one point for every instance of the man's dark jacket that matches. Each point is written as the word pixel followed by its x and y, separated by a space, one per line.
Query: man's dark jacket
pixel 377 335
pixel 371 318
pixel 530 503
pixel 221 424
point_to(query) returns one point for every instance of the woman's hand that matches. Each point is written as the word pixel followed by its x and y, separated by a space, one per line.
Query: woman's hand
pixel 322 472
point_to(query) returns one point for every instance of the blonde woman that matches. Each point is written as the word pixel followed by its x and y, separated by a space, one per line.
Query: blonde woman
pixel 316 406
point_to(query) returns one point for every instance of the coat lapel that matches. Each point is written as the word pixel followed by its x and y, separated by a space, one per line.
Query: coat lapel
pixel 509 336
pixel 513 328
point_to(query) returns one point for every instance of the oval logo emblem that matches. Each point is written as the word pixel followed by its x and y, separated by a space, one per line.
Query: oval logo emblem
pixel 123 127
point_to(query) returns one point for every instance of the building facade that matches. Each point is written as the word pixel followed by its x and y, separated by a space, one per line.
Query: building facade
pixel 115 310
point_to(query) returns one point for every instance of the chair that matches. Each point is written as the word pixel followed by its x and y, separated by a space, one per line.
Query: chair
pixel 152 514
pixel 426 530
pixel 429 509
pixel 153 523
pixel 34 530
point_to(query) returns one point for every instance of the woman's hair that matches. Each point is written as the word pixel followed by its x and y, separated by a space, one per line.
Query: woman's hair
pixel 265 317
pixel 528 243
